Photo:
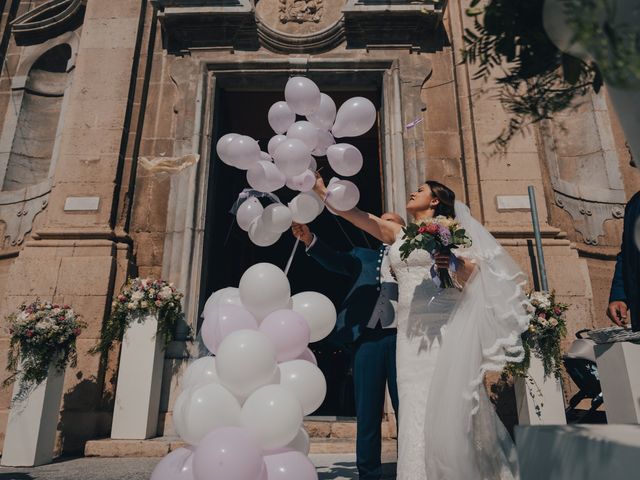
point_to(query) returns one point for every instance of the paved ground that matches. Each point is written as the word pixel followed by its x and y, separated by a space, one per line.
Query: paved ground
pixel 330 467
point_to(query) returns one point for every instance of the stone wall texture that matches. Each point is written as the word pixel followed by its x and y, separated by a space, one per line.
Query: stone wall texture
pixel 135 129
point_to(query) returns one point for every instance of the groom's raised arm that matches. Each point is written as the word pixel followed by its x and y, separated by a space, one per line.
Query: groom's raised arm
pixel 343 263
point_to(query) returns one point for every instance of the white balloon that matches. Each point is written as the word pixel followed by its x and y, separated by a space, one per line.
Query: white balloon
pixel 280 117
pixel 318 201
pixel 304 208
pixel 277 217
pixel 200 372
pixel 247 212
pixel 260 235
pixel 318 311
pixel 243 152
pixel 325 140
pixel 178 410
pixel 273 414
pixel 306 381
pixel 177 465
pixel 264 288
pixel 272 146
pixel 342 195
pixel 208 407
pixel 246 361
pixel 292 157
pixel 302 95
pixel 325 114
pixel 301 443
pixel 355 117
pixel 265 157
pixel 303 182
pixel 345 159
pixel 313 166
pixel 265 177
pixel 223 145
pixel 307 132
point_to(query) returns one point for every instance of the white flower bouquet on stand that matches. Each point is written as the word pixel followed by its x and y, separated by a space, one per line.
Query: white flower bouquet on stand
pixel 144 316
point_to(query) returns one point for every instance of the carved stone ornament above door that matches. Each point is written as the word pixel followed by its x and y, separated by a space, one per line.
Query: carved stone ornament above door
pixel 47 21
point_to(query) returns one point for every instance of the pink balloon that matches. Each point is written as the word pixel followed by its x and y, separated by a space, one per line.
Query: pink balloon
pixel 289 332
pixel 226 320
pixel 308 356
pixel 290 466
pixel 229 453
pixel 177 465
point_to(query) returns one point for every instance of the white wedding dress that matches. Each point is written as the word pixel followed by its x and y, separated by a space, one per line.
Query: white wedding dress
pixel 447 339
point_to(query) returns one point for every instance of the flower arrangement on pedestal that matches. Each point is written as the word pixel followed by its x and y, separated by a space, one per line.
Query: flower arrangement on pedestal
pixel 140 297
pixel 547 328
pixel 42 334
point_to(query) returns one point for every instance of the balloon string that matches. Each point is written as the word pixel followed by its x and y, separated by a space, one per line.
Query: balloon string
pixel 290 261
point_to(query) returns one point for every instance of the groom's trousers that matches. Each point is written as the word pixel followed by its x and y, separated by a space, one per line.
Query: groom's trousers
pixel 374 365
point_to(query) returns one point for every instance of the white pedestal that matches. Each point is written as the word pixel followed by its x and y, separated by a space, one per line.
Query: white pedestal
pixel 31 429
pixel 135 414
pixel 546 394
pixel 578 452
pixel 619 371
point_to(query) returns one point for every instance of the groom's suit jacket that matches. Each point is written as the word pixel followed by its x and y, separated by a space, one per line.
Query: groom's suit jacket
pixel 362 266
pixel 626 279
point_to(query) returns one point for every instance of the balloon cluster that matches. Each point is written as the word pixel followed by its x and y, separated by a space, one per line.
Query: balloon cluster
pixel 241 411
pixel 289 159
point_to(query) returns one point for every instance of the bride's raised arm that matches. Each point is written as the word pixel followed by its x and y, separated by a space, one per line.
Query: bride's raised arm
pixel 383 230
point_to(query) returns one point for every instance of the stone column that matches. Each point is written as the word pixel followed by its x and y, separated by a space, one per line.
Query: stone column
pixel 76 254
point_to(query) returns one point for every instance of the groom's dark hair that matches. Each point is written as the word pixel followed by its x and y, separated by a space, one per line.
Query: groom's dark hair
pixel 446 196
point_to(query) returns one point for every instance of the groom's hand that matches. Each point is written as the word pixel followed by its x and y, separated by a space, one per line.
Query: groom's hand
pixel 617 313
pixel 302 233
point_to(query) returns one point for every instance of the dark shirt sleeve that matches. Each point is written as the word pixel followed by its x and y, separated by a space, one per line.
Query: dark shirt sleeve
pixel 343 263
pixel 617 284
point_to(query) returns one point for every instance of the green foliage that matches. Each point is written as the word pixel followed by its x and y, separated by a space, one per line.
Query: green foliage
pixel 543 338
pixel 535 79
pixel 42 334
pixel 138 298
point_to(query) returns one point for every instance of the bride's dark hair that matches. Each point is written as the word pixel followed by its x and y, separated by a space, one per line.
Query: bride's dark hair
pixel 446 196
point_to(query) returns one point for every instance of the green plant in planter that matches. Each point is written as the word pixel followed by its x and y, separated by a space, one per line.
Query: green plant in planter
pixel 534 78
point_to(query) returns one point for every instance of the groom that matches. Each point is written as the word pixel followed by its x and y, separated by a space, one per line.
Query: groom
pixel 366 322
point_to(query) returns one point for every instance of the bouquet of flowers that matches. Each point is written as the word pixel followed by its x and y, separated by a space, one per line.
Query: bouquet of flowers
pixel 435 235
pixel 547 328
pixel 42 334
pixel 140 297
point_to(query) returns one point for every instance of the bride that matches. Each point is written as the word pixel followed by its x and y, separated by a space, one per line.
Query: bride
pixel 447 340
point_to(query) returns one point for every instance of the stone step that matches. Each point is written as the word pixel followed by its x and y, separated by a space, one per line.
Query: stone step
pixel 159 447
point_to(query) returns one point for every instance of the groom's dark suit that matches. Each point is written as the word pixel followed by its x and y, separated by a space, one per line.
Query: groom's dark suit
pixel 364 313
pixel 625 286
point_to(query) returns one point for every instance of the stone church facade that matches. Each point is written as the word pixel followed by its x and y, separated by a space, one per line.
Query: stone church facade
pixel 109 110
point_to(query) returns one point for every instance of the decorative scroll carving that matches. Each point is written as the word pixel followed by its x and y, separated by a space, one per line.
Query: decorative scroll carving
pixel 18 216
pixel 301 11
pixel 589 217
pixel 48 20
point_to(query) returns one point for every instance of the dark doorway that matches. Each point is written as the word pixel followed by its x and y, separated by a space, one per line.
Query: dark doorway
pixel 228 252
